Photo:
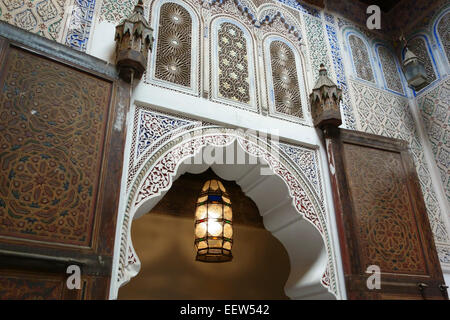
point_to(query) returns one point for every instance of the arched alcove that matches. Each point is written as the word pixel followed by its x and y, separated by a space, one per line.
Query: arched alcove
pixel 163 240
pixel 286 203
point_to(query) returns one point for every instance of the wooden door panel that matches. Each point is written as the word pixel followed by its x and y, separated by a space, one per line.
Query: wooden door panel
pixel 382 218
pixel 54 121
pixel 62 135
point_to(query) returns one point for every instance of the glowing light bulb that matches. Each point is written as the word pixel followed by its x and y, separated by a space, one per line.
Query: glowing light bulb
pixel 214 228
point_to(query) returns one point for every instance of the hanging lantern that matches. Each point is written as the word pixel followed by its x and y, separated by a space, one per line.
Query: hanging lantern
pixel 414 71
pixel 134 40
pixel 213 223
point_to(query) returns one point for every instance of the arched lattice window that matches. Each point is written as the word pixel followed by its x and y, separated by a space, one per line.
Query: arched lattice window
pixel 232 66
pixel 233 63
pixel 420 48
pixel 286 92
pixel 443 30
pixel 173 53
pixel 361 58
pixel 390 70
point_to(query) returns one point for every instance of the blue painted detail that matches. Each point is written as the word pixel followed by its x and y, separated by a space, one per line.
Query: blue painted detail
pixel 253 17
pixel 149 133
pixel 302 7
pixel 80 24
pixel 436 33
pixel 338 64
pixel 214 198
pixel 329 18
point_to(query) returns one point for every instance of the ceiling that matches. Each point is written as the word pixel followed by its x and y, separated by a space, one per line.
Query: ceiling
pixel 385 5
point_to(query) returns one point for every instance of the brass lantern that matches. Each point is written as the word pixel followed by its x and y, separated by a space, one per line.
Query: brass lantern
pixel 213 223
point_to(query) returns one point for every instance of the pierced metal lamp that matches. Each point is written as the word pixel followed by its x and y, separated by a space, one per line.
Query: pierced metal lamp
pixel 213 223
pixel 414 70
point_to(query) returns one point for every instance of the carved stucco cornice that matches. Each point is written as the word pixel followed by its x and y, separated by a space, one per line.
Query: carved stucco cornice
pixel 265 15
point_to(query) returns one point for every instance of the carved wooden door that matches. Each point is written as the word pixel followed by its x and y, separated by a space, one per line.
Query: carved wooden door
pixel 382 218
pixel 62 135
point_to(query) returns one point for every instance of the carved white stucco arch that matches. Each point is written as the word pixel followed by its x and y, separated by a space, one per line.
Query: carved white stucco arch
pixel 301 213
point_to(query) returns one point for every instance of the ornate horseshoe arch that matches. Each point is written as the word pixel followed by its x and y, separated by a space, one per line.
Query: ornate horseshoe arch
pixel 173 140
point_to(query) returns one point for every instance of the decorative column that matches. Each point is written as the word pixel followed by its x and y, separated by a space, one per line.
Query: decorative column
pixel 134 39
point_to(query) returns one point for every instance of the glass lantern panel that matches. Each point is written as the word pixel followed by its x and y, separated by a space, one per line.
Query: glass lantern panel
pixel 227 245
pixel 410 71
pixel 215 243
pixel 215 251
pixel 422 70
pixel 202 245
pixel 200 213
pixel 215 210
pixel 227 231
pixel 214 228
pixel 222 188
pixel 214 198
pixel 226 199
pixel 202 199
pixel 206 185
pixel 227 213
pixel 214 185
pixel 200 230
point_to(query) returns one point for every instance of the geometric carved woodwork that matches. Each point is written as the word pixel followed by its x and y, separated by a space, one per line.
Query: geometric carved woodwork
pixel 173 55
pixel 385 223
pixel 233 63
pixel 18 288
pixel 62 136
pixel 53 120
pixel 285 80
pixel 381 217
pixel 33 285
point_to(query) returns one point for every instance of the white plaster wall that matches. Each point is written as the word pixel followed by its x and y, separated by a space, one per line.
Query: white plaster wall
pixel 102 44
pixel 447 280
